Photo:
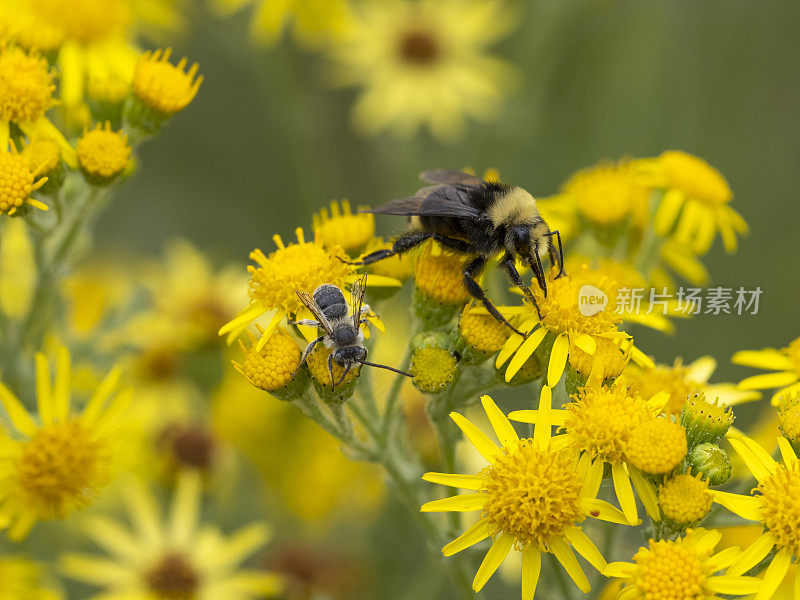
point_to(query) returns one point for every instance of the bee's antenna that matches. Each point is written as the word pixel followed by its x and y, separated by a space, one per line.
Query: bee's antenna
pixel 398 371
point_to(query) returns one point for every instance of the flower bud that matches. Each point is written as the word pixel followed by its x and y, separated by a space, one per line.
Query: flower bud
pixel 433 365
pixel 705 422
pixel 712 461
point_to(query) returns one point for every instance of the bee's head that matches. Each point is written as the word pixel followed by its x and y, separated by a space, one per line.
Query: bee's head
pixel 350 355
pixel 518 240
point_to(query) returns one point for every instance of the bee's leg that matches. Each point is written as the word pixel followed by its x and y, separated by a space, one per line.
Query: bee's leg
pixel 477 292
pixel 306 322
pixel 538 269
pixel 552 251
pixel 511 268
pixel 402 244
pixel 306 352
pixel 330 368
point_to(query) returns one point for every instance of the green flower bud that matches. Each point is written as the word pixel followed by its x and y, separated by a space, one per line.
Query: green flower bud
pixel 712 461
pixel 705 423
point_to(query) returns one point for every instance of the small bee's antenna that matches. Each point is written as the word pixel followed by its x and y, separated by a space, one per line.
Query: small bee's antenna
pixel 398 371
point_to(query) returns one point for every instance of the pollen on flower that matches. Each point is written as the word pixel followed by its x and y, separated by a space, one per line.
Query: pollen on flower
pixel 432 369
pixel 302 266
pixel 533 493
pixel 17 182
pixel 173 577
pixel 441 276
pixel 789 416
pixel 671 570
pixel 102 153
pixel 271 367
pixel 656 446
pixel 342 228
pixel 60 468
pixel 599 420
pixel 482 332
pixel 694 176
pixel 779 506
pixel 561 312
pixel 26 85
pixel 162 86
pixel 608 360
pixel 684 499
pixel 607 193
pixel 317 363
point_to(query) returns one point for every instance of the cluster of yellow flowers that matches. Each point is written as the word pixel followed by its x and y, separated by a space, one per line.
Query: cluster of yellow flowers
pixel 608 431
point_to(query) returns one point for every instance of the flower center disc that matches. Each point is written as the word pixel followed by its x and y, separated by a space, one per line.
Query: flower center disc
pixel 419 48
pixel 173 578
pixel 780 507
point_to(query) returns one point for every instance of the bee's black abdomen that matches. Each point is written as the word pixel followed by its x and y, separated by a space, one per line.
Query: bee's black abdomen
pixel 330 300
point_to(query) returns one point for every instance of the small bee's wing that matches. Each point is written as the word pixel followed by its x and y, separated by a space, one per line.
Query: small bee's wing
pixel 357 298
pixel 450 177
pixel 308 300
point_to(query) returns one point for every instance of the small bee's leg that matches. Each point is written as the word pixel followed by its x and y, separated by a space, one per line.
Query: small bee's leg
pixel 306 352
pixel 552 250
pixel 402 244
pixel 306 322
pixel 346 371
pixel 477 292
pixel 511 268
pixel 330 368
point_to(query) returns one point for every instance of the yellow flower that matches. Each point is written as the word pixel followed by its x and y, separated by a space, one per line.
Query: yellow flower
pixel 774 506
pixel 481 331
pixel 17 181
pixel 684 499
pixel 598 422
pixel 343 228
pixel 439 275
pixel 17 268
pixel 563 318
pixel 608 361
pixel 423 63
pixel 53 468
pixel 399 266
pixel 274 283
pixel 683 261
pixel 312 21
pixel 163 87
pixel 272 367
pixel 179 558
pixel 784 362
pixel 789 417
pixel 103 154
pixel 696 202
pixel 682 569
pixel 533 497
pixel 684 381
pixel 656 446
pixel 432 369
pixel 24 580
pixel 317 363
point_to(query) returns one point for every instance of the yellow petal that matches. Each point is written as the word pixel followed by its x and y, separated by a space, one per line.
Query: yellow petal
pixel 464 482
pixel 101 394
pixel 701 369
pixel 514 342
pixel 270 329
pixel 738 586
pixel 477 438
pixel 557 416
pixel 667 212
pixel 493 559
pixel 768 380
pixel 787 452
pixel 61 390
pixel 500 423
pixel 760 463
pixel 593 479
pixel 531 568
pixel 586 343
pixel 769 359
pixel 600 509
pixel 16 412
pixel 478 532
pixel 374 280
pixel 622 486
pixel 621 570
pixel 44 399
pixel 746 507
pixel 646 491
pixel 566 557
pixel 541 433
pixel 558 359
pixel 774 575
pixel 460 503
pixel 753 555
pixel 585 547
pixel 527 348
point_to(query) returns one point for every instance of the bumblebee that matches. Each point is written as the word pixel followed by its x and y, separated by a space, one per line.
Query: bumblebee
pixel 481 219
pixel 340 326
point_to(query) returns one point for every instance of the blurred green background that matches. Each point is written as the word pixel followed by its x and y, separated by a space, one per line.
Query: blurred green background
pixel 267 142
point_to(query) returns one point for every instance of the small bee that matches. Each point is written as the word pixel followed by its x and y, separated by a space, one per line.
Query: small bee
pixel 481 219
pixel 342 331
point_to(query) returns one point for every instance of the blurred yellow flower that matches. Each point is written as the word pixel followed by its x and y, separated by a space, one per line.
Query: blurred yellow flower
pixel 53 468
pixel 180 558
pixel 784 362
pixel 681 569
pixel 423 63
pixel 533 497
pixel 696 202
pixel 24 580
pixel 17 268
pixel 439 275
pixel 342 227
pixel 102 153
pixel 162 86
pixel 272 367
pixel 17 181
pixel 313 22
pixel 684 499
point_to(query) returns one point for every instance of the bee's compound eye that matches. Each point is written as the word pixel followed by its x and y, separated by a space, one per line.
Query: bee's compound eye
pixel 521 238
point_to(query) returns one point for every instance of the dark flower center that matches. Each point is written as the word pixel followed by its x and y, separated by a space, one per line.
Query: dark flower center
pixel 173 578
pixel 419 47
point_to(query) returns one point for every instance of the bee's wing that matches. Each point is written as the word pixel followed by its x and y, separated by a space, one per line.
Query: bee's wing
pixel 308 300
pixel 450 177
pixel 434 201
pixel 357 298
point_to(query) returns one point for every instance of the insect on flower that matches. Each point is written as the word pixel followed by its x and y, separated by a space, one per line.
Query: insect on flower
pixel 479 218
pixel 342 331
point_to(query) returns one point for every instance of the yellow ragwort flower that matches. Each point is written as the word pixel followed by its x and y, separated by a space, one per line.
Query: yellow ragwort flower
pixel 317 363
pixel 162 86
pixel 682 569
pixel 270 368
pixel 684 499
pixel 532 497
pixel 102 153
pixel 482 331
pixel 608 361
pixel 432 369
pixel 399 266
pixel 343 228
pixel 598 423
pixel 423 63
pixel 696 202
pixel 656 446
pixel 565 321
pixel 439 275
pixel 178 558
pixel 784 362
pixel 18 181
pixel 789 417
pixel 55 467
pixel 25 580
pixel 774 505
pixel 43 154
